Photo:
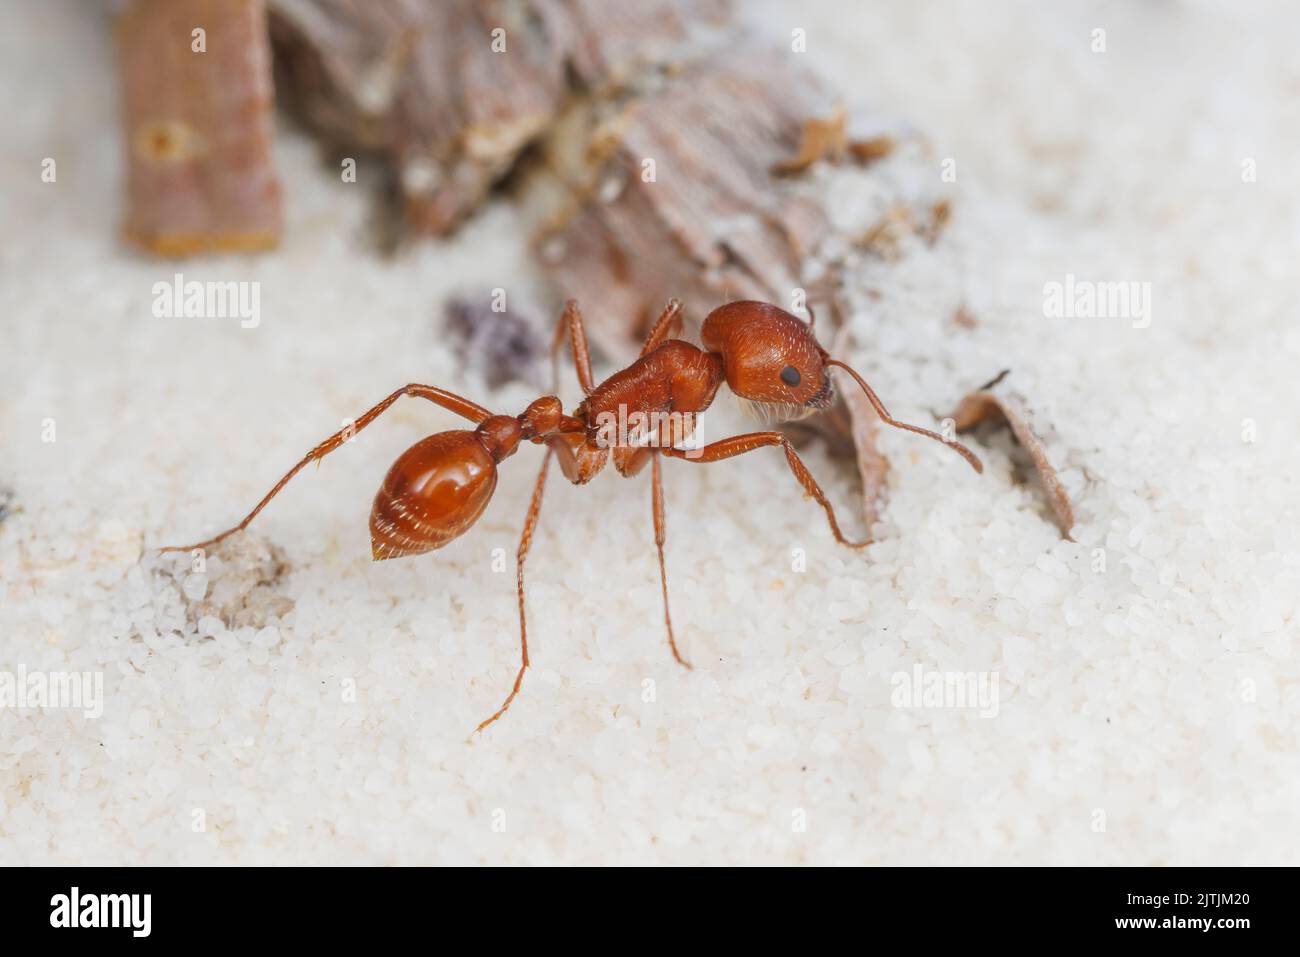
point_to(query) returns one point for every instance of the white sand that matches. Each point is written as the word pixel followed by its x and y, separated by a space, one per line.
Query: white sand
pixel 1146 714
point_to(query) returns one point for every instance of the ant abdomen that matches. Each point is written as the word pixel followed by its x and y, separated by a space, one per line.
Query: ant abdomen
pixel 434 492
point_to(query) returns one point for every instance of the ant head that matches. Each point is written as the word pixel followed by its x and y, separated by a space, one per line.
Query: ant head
pixel 773 360
pixel 769 357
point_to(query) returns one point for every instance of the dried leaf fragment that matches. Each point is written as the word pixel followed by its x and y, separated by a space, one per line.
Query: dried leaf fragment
pixel 940 213
pixel 864 427
pixel 870 150
pixel 885 235
pixel 197 92
pixel 827 139
pixel 964 318
pixel 984 405
pixel 819 139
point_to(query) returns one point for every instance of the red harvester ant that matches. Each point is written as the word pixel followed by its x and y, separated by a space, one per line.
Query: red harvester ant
pixel 440 486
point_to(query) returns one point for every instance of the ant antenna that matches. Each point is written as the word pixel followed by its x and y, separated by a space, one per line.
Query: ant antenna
pixel 957 447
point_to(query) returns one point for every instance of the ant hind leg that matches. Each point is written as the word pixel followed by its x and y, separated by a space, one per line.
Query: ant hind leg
pixel 657 508
pixel 525 541
pixel 448 400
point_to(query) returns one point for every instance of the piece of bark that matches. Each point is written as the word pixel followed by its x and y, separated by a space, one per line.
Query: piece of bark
pixel 450 93
pixel 198 126
pixel 668 191
pixel 984 405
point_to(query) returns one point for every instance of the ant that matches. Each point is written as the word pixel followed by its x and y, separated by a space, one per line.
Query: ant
pixel 440 486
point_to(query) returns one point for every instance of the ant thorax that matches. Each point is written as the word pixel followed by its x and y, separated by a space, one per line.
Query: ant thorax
pixel 639 429
pixel 656 401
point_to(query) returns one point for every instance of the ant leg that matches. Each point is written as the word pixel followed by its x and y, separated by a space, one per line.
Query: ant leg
pixel 740 444
pixel 668 323
pixel 579 461
pixel 525 540
pixel 657 507
pixel 571 320
pixel 448 400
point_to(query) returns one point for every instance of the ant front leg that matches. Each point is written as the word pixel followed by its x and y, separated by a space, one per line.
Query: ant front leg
pixel 448 400
pixel 740 444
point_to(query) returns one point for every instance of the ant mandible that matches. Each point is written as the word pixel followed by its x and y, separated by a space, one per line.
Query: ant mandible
pixel 440 486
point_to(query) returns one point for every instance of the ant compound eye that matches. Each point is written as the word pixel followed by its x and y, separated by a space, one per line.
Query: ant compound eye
pixel 790 375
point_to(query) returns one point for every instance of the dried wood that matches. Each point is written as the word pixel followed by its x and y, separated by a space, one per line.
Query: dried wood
pixel 450 93
pixel 668 191
pixel 199 129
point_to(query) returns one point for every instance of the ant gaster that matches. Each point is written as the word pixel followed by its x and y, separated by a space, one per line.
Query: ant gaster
pixel 440 486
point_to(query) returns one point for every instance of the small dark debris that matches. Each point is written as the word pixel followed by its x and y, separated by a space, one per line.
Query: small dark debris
pixel 503 347
pixel 994 381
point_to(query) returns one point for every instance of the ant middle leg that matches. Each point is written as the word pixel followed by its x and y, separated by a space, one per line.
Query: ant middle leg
pixel 448 400
pixel 740 444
